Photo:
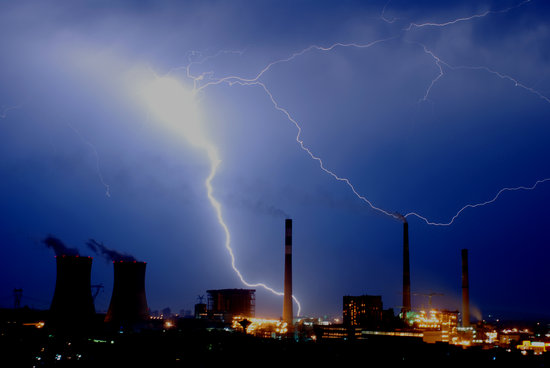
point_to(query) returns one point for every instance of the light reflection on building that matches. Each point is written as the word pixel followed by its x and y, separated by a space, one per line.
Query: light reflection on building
pixel 537 347
pixel 267 328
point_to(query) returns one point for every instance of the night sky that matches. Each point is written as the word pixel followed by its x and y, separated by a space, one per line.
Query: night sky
pixel 425 107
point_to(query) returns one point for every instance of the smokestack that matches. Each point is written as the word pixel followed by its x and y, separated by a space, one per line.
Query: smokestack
pixel 465 290
pixel 287 300
pixel 72 303
pixel 128 305
pixel 406 270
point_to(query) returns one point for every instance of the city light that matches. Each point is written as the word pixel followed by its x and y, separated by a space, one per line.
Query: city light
pixel 537 347
pixel 270 328
pixel 168 324
pixel 40 324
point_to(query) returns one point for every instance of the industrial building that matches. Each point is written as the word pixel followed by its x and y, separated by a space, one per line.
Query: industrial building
pixel 227 303
pixel 201 311
pixel 437 325
pixel 363 310
pixel 366 312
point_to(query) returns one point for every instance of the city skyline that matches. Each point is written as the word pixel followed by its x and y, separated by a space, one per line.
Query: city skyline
pixel 343 117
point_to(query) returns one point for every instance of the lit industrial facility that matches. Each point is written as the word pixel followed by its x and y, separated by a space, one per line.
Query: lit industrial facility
pixel 259 327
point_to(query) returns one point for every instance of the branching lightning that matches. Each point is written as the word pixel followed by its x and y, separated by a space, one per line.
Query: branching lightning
pixel 440 64
pixel 96 155
pixel 215 162
pixel 464 19
pixel 207 79
pixel 256 81
pixel 176 107
pixel 5 109
pixel 532 187
pixel 383 17
pixel 319 160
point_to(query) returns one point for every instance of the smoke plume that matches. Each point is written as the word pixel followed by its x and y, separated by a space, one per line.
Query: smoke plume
pixel 109 254
pixel 59 247
pixel 256 206
pixel 401 217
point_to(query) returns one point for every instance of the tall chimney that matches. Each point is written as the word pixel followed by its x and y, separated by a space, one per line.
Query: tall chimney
pixel 406 270
pixel 128 305
pixel 72 299
pixel 465 290
pixel 287 300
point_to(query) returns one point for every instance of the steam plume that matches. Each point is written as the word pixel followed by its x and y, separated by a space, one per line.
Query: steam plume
pixel 59 247
pixel 109 254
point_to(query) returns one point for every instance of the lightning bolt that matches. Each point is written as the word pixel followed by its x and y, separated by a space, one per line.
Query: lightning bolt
pixel 6 109
pixel 255 81
pixel 206 79
pixel 215 162
pixel 231 80
pixel 383 17
pixel 320 161
pixel 477 204
pixel 440 63
pixel 96 155
pixel 464 19
pixel 172 104
pixel 4 114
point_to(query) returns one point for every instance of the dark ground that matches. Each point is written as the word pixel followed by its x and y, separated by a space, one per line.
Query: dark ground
pixel 194 345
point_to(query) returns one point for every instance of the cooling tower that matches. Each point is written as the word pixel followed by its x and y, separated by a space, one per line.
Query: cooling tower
pixel 465 290
pixel 72 302
pixel 406 271
pixel 128 303
pixel 287 299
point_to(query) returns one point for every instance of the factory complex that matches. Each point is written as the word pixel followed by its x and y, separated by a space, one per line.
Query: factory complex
pixel 226 323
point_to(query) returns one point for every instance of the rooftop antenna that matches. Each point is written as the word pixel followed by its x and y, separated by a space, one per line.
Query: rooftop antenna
pixel 429 295
pixel 245 323
pixel 17 295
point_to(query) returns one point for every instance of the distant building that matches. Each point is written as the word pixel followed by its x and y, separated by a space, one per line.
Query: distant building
pixel 166 312
pixel 227 303
pixel 340 332
pixel 186 313
pixel 200 310
pixel 511 337
pixel 363 311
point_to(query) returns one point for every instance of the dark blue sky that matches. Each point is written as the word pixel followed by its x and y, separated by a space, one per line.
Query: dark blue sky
pixel 448 108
